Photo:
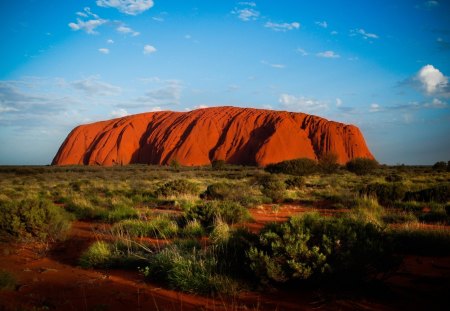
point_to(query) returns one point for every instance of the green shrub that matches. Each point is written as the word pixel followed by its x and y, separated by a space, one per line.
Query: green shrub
pixel 207 213
pixel 273 188
pixel 394 178
pixel 176 188
pixel 296 182
pixel 440 166
pixel 98 255
pixel 328 163
pixel 7 280
pixel 220 232
pixel 314 247
pixel 218 164
pixel 386 194
pixel 158 227
pixel 362 166
pixel 439 193
pixel 301 167
pixel 225 191
pixel 33 218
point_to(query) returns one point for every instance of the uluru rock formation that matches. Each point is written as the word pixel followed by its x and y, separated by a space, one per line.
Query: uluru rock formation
pixel 237 135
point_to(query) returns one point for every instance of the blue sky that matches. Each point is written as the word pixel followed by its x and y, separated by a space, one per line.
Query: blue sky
pixel 381 65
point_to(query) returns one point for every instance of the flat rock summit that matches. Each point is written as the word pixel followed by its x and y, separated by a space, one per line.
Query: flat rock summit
pixel 237 135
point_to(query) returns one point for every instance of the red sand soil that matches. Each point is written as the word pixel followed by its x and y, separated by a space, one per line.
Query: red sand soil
pixel 198 137
pixel 52 279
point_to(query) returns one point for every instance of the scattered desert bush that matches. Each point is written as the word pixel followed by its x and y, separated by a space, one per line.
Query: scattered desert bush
pixel 7 280
pixel 386 194
pixel 439 193
pixel 207 213
pixel 440 166
pixel 237 192
pixel 161 226
pixel 177 187
pixel 328 163
pixel 394 178
pixel 218 164
pixel 301 167
pixel 362 166
pixel 220 232
pixel 273 188
pixel 33 218
pixel 314 247
pixel 296 182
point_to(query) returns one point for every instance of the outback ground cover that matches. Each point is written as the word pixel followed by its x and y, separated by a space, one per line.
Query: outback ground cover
pixel 298 234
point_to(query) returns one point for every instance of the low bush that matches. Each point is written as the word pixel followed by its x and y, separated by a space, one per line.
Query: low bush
pixel 314 247
pixel 193 229
pixel 296 182
pixel 301 167
pixel 386 194
pixel 33 218
pixel 328 163
pixel 220 232
pixel 439 193
pixel 176 188
pixel 228 192
pixel 273 188
pixel 394 178
pixel 362 166
pixel 440 166
pixel 207 213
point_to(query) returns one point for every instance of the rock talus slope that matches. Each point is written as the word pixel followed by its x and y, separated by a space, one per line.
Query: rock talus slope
pixel 237 135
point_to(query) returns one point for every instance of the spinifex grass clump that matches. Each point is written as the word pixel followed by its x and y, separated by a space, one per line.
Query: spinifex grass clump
pixel 177 187
pixel 162 226
pixel 33 218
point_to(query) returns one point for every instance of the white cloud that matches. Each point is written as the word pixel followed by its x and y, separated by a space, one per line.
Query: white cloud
pixel 364 34
pixel 110 41
pixel 246 14
pixel 7 109
pixel 436 103
pixel 93 86
pixel 338 102
pixel 374 108
pixel 328 54
pixel 88 26
pixel 282 26
pixel 104 50
pixel 155 109
pixel 334 32
pixel 201 107
pixel 187 37
pixel 118 113
pixel 431 79
pixel 322 24
pixel 301 103
pixel 302 51
pixel 130 7
pixel 149 49
pixel 168 92
pixel 127 30
pixel 253 4
pixel 278 66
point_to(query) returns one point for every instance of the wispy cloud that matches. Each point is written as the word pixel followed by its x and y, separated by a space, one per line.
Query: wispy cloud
pixel 301 103
pixel 149 49
pixel 87 25
pixel 93 86
pixel 130 7
pixel 167 92
pixel 118 113
pixel 302 52
pixel 374 108
pixel 246 14
pixel 278 66
pixel 364 34
pixel 282 26
pixel 104 50
pixel 322 24
pixel 123 29
pixel 328 54
pixel 110 41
